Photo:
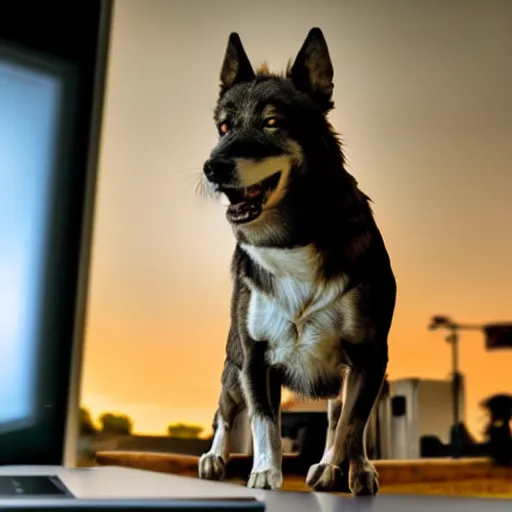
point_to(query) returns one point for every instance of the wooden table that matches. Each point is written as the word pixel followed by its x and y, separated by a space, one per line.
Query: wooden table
pixel 462 477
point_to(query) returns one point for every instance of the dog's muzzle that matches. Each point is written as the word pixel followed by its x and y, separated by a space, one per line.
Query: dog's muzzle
pixel 220 171
pixel 244 203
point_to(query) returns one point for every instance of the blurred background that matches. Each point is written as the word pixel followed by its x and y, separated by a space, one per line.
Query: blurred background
pixel 422 92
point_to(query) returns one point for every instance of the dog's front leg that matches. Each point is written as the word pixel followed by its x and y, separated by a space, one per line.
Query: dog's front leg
pixel 262 390
pixel 361 387
pixel 212 464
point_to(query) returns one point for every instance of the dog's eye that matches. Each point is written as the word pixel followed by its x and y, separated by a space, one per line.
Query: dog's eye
pixel 271 122
pixel 223 128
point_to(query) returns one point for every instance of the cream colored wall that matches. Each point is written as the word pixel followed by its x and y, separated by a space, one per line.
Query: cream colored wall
pixel 423 102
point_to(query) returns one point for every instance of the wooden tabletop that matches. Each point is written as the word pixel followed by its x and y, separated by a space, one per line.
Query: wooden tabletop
pixel 468 477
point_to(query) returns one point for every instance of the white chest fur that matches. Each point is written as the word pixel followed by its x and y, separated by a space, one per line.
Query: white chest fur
pixel 304 319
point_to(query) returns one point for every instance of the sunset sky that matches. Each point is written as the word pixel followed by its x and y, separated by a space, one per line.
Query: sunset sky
pixel 424 103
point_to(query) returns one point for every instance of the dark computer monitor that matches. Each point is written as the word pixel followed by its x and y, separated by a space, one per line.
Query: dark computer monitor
pixel 52 67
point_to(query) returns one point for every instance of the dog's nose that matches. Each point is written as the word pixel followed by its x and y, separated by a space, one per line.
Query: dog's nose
pixel 219 170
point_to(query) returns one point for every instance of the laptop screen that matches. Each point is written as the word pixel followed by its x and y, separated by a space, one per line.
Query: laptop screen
pixel 30 103
pixel 51 83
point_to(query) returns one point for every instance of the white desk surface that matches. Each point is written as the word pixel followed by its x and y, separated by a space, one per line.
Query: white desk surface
pixel 113 482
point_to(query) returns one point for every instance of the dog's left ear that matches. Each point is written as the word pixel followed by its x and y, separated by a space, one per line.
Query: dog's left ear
pixel 312 70
pixel 236 67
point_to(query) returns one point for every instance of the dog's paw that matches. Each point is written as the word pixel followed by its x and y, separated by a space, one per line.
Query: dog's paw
pixel 211 467
pixel 363 478
pixel 324 477
pixel 266 479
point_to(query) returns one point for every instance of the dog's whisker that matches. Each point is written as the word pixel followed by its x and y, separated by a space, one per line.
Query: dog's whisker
pixel 194 177
pixel 191 177
pixel 202 188
pixel 190 170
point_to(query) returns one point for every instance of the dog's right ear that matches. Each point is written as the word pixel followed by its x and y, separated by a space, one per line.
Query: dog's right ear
pixel 236 67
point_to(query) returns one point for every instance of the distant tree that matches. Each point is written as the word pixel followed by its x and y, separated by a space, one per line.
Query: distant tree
pixel 86 426
pixel 119 424
pixel 184 430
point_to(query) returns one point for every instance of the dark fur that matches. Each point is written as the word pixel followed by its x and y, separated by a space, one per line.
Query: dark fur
pixel 323 207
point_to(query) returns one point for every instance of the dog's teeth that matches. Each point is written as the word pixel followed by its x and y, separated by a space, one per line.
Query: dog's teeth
pixel 224 200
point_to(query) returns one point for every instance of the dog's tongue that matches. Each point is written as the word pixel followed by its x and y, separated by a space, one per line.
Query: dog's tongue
pixel 253 191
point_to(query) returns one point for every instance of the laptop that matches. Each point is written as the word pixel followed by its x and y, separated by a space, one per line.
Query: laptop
pixel 52 79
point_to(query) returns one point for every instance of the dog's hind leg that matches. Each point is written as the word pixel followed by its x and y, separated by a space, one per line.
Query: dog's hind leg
pixel 333 416
pixel 361 387
pixel 340 476
pixel 212 464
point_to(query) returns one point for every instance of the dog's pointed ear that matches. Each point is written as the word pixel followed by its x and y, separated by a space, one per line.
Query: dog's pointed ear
pixel 236 67
pixel 312 70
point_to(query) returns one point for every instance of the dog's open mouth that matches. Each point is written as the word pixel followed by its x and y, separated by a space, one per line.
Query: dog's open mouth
pixel 246 204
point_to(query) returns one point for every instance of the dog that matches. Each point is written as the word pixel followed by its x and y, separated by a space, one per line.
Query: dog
pixel 313 288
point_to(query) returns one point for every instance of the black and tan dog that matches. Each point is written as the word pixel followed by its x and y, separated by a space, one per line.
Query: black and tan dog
pixel 313 289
